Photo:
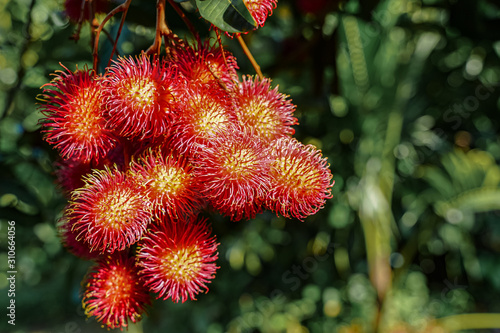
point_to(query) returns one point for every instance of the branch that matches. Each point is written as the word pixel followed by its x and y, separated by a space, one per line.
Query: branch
pixel 161 28
pixel 110 39
pixel 121 8
pixel 250 56
pixel 76 35
pixel 184 18
pixel 118 33
pixel 217 33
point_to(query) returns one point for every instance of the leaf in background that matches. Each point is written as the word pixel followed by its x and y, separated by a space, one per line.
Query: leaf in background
pixel 228 15
pixel 467 182
pixel 483 199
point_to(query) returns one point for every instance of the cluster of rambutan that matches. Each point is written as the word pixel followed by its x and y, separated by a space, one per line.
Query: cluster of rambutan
pixel 150 144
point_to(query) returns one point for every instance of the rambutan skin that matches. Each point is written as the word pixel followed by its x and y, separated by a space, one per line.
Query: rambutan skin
pixel 260 9
pixel 264 110
pixel 73 106
pixel 143 96
pixel 111 211
pixel 233 174
pixel 176 259
pixel 71 242
pixel 171 185
pixel 300 179
pixel 69 174
pixel 207 114
pixel 205 64
pixel 113 293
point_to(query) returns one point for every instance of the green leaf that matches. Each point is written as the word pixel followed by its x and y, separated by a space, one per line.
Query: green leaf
pixel 478 200
pixel 228 15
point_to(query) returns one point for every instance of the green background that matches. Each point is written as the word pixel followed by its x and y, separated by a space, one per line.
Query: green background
pixel 402 96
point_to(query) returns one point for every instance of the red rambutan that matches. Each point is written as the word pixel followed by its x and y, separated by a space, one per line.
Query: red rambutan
pixel 207 114
pixel 143 96
pixel 71 242
pixel 265 110
pixel 232 172
pixel 300 179
pixel 176 259
pixel 260 9
pixel 74 115
pixel 207 65
pixel 69 174
pixel 170 182
pixel 113 293
pixel 111 211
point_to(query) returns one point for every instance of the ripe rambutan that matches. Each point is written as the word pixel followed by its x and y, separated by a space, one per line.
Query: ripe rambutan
pixel 74 115
pixel 265 110
pixel 300 179
pixel 170 182
pixel 260 9
pixel 113 293
pixel 71 242
pixel 232 172
pixel 143 96
pixel 207 65
pixel 111 211
pixel 69 174
pixel 176 259
pixel 207 114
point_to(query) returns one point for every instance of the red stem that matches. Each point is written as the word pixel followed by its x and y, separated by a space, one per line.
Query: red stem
pixel 118 35
pixel 161 28
pixel 184 18
pixel 121 8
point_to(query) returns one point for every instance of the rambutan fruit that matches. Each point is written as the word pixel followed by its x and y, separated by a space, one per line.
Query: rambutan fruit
pixel 143 96
pixel 207 114
pixel 204 64
pixel 266 111
pixel 73 106
pixel 232 172
pixel 176 259
pixel 300 179
pixel 171 184
pixel 111 212
pixel 69 174
pixel 113 293
pixel 71 242
pixel 260 9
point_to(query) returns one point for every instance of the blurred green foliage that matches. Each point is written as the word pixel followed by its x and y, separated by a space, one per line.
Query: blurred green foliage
pixel 401 95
